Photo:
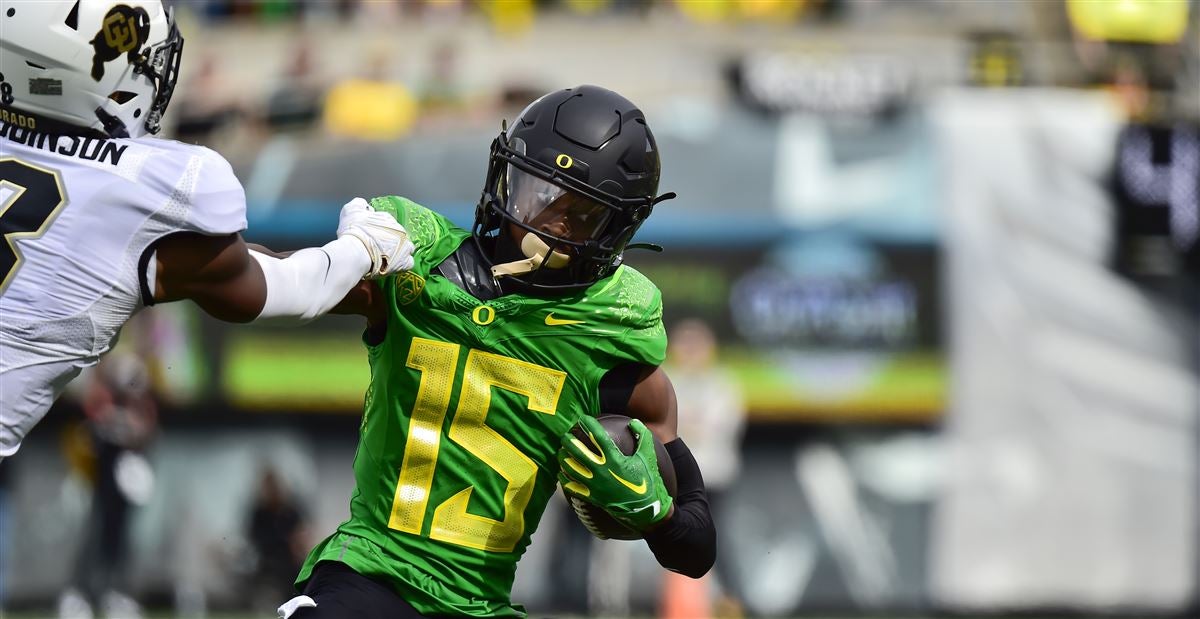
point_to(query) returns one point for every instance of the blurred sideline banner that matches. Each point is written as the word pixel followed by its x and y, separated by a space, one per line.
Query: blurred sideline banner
pixel 818 270
pixel 1074 401
pixel 855 340
pixel 818 326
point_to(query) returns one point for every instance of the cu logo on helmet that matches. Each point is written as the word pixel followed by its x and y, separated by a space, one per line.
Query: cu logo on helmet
pixel 123 31
pixel 118 33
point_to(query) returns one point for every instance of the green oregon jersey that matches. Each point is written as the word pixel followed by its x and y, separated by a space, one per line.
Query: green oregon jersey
pixel 463 418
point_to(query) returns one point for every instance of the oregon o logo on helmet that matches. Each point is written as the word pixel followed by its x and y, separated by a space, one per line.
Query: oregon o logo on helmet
pixel 564 161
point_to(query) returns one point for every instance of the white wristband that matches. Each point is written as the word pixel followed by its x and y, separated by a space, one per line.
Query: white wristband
pixel 311 281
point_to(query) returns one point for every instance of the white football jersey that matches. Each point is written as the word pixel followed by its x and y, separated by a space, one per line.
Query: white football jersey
pixel 79 216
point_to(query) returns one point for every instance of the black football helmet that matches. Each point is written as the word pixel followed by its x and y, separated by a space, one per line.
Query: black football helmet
pixel 568 185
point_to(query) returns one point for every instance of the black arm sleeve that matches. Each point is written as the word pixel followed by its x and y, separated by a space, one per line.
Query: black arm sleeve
pixel 617 387
pixel 687 543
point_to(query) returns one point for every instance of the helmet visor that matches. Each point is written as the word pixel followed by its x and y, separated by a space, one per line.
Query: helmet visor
pixel 552 209
pixel 549 208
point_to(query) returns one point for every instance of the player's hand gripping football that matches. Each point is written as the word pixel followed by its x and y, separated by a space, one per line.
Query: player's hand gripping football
pixel 629 488
pixel 385 239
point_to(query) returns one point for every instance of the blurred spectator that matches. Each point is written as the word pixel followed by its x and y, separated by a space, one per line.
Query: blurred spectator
pixel 204 110
pixel 509 17
pixel 995 59
pixel 712 417
pixel 447 100
pixel 374 15
pixel 276 530
pixel 295 102
pixel 374 106
pixel 276 10
pixel 441 90
pixel 767 11
pixel 122 419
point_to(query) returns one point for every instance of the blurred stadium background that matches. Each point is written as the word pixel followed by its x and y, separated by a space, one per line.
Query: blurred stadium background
pixel 948 253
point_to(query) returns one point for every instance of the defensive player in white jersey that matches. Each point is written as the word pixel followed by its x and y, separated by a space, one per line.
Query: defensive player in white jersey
pixel 100 220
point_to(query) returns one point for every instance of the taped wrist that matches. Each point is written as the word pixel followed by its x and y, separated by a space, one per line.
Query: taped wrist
pixel 687 542
pixel 311 281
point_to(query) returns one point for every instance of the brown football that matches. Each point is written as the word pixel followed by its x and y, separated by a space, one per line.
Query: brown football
pixel 596 519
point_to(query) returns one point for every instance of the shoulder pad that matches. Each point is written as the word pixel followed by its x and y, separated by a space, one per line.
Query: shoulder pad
pixel 425 227
pixel 218 204
pixel 631 298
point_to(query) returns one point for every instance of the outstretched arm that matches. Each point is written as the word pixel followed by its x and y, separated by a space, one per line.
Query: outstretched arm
pixel 216 272
pixel 236 283
pixel 364 299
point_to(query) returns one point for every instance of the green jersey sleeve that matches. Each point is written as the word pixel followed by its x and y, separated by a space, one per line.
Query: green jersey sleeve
pixel 629 306
pixel 433 236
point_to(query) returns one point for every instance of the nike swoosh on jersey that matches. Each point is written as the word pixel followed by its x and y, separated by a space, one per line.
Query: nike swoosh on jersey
pixel 638 488
pixel 551 321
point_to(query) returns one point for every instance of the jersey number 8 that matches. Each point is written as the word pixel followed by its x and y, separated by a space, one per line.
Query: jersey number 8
pixel 33 197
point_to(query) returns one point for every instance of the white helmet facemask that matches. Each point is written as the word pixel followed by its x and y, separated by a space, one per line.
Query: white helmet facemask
pixel 105 65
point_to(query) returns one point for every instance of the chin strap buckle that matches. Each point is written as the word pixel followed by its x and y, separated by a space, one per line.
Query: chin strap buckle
pixel 538 252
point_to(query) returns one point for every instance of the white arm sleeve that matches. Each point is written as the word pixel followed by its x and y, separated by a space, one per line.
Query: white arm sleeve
pixel 311 281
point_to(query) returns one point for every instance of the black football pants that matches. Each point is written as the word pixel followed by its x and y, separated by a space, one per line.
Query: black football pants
pixel 342 593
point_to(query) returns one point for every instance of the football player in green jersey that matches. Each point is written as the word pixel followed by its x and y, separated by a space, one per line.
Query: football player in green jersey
pixel 487 353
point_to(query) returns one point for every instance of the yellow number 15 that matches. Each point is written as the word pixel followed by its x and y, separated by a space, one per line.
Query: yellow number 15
pixel 452 523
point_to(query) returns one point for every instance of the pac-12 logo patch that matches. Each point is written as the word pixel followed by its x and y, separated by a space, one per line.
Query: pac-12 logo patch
pixel 124 30
pixel 409 286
